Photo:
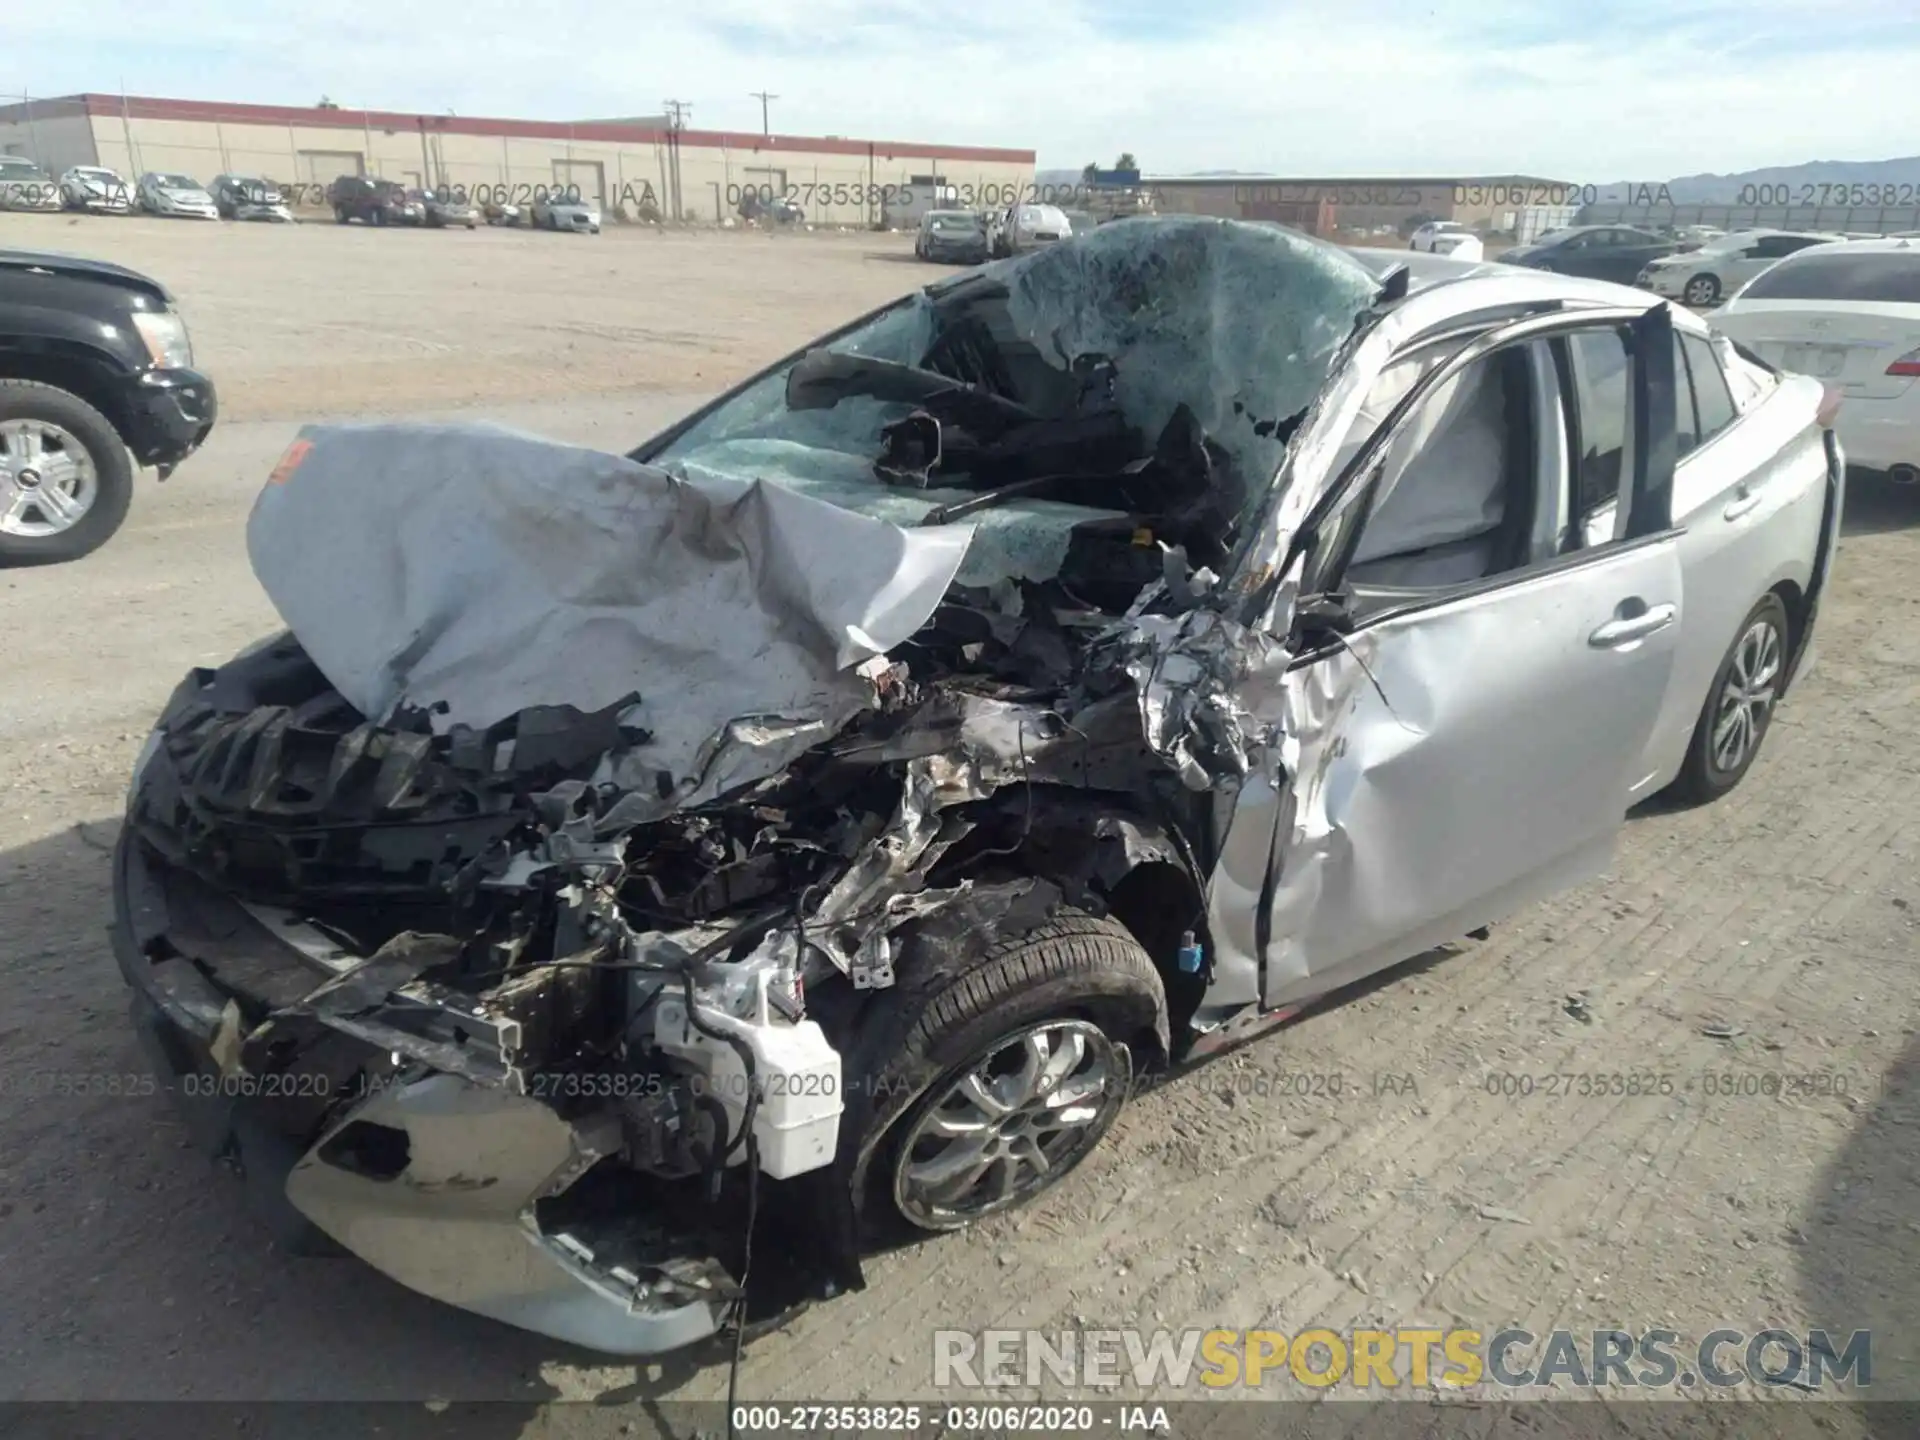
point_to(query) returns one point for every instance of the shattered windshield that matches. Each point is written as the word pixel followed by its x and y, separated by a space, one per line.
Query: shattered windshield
pixel 1152 369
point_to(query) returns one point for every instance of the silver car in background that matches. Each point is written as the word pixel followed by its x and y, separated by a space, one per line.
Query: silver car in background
pixel 96 189
pixel 25 186
pixel 170 194
pixel 249 197
pixel 1217 618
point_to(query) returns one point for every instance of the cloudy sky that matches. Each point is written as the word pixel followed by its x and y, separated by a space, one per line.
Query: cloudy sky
pixel 1589 91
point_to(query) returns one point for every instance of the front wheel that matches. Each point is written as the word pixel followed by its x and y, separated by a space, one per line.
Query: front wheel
pixel 66 479
pixel 998 1064
pixel 1701 290
pixel 1739 706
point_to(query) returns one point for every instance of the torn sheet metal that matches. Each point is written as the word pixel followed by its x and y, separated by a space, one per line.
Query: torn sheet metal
pixel 486 571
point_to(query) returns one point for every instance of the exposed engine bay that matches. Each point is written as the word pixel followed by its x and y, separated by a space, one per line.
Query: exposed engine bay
pixel 628 786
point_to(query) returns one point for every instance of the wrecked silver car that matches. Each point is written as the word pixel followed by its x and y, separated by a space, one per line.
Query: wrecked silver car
pixel 822 817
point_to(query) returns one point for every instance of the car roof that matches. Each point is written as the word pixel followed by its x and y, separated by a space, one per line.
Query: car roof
pixel 1427 270
pixel 1876 245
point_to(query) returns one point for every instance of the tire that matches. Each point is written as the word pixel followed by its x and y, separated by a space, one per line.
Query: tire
pixel 380 217
pixel 112 476
pixel 1701 290
pixel 340 214
pixel 1704 777
pixel 1082 982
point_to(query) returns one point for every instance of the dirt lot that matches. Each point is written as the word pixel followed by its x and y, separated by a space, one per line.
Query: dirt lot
pixel 1786 917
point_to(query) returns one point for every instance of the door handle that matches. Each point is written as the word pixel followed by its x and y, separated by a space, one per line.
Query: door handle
pixel 1626 631
pixel 1740 505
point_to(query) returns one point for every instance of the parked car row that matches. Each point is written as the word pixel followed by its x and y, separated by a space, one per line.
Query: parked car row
pixel 98 190
pixel 374 201
pixel 970 237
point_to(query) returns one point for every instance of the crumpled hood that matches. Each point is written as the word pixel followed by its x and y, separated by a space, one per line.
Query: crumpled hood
pixel 482 572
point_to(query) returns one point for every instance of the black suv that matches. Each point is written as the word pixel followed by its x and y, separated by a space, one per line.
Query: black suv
pixel 94 362
pixel 377 202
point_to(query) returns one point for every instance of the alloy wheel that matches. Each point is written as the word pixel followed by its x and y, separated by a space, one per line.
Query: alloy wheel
pixel 47 479
pixel 1746 696
pixel 1701 290
pixel 1011 1124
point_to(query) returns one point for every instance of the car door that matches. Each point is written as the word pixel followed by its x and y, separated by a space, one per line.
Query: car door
pixel 1460 743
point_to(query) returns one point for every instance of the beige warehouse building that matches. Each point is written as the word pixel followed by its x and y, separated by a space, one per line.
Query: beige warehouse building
pixel 627 163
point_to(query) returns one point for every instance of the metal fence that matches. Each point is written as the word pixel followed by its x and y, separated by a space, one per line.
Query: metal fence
pixel 1826 219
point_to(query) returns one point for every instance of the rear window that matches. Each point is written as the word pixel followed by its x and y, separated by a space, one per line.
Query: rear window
pixel 1861 275
pixel 1713 400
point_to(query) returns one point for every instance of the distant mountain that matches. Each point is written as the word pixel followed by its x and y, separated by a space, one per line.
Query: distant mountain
pixel 1805 184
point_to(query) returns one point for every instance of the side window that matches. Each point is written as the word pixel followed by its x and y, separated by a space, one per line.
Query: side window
pixel 1596 380
pixel 1711 396
pixel 1686 419
pixel 1454 497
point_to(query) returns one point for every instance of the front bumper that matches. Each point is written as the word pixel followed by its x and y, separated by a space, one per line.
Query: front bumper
pixel 459 1190
pixel 170 413
pixel 173 210
pixel 262 212
pixel 1666 286
pixel 975 254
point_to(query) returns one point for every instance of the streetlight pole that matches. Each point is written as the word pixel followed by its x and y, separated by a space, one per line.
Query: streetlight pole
pixel 763 97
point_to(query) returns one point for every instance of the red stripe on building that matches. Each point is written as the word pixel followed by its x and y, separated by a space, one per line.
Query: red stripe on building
pixel 146 107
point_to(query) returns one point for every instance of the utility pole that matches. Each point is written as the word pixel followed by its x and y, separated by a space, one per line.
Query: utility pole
pixel 677 112
pixel 763 97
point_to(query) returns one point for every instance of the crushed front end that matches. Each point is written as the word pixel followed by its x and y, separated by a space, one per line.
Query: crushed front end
pixel 528 914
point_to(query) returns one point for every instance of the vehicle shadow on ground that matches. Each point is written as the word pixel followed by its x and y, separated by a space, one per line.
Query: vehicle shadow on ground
pixel 1876 506
pixel 1857 1242
pixel 895 257
pixel 150 1277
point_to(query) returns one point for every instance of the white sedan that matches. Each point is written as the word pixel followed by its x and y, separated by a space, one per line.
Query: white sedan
pixel 1448 237
pixel 161 193
pixel 1847 314
pixel 95 188
pixel 1708 275
pixel 560 211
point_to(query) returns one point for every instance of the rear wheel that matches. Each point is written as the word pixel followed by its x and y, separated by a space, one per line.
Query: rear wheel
pixel 1739 706
pixel 340 214
pixel 994 1076
pixel 66 479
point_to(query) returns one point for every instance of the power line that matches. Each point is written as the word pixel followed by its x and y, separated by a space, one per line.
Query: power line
pixel 763 97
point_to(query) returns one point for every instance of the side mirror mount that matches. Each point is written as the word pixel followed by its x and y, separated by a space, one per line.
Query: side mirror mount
pixel 1317 618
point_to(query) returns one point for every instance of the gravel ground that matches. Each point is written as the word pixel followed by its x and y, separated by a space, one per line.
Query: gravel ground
pixel 1784 918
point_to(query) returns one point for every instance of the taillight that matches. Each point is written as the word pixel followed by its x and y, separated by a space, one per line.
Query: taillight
pixel 1907 364
pixel 1830 398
